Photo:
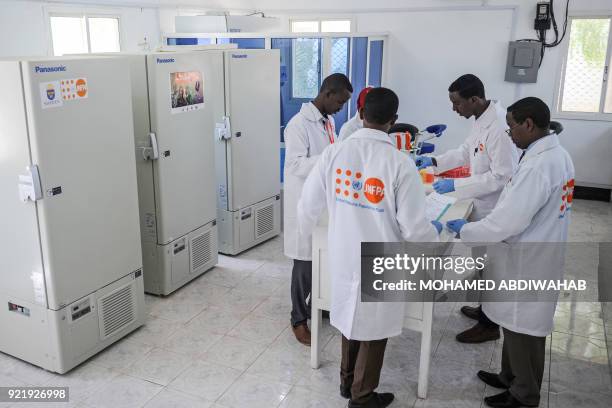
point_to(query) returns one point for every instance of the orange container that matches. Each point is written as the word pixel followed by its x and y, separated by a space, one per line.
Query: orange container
pixel 427 176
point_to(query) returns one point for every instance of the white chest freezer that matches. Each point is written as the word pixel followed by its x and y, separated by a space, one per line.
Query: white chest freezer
pixel 70 263
pixel 248 150
pixel 174 102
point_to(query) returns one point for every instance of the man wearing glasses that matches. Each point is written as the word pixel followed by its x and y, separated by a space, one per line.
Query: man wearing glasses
pixel 492 158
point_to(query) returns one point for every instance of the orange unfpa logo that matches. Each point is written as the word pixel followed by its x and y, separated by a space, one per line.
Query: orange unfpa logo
pixel 374 190
pixel 81 87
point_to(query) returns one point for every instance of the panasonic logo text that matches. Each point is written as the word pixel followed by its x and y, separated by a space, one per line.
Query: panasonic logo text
pixel 165 60
pixel 60 68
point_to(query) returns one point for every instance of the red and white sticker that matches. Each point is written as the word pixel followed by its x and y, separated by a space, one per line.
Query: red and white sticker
pixel 74 88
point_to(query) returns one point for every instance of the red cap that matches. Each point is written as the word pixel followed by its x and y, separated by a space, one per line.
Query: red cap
pixel 362 96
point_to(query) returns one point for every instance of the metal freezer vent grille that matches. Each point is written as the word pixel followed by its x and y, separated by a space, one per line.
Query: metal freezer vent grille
pixel 201 251
pixel 265 220
pixel 118 310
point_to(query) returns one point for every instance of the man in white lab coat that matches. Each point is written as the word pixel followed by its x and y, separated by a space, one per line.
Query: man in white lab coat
pixel 355 123
pixel 309 132
pixel 372 193
pixel 533 207
pixel 492 159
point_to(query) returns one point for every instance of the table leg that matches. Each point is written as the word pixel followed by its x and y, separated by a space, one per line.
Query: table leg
pixel 425 357
pixel 315 331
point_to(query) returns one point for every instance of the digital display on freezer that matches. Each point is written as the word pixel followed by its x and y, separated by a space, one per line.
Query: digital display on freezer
pixel 187 91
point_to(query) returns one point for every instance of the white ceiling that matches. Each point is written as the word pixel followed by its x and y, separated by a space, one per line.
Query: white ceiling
pixel 277 5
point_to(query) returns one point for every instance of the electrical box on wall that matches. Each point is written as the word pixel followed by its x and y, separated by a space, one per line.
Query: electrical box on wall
pixel 523 61
pixel 542 20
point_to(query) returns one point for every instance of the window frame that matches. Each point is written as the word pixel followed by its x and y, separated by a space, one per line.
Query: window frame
pixel 319 21
pixel 562 67
pixel 84 15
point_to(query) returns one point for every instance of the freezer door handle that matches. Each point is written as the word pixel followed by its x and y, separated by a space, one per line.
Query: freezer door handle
pixel 30 187
pixel 223 130
pixel 151 153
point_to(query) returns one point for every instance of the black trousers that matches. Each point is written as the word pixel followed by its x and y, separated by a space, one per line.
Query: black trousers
pixel 301 286
pixel 523 365
pixel 484 320
pixel 360 367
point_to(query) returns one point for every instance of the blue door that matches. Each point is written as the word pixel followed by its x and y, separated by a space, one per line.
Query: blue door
pixel 376 62
pixel 359 69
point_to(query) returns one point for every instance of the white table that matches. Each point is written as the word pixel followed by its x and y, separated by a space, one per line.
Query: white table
pixel 419 314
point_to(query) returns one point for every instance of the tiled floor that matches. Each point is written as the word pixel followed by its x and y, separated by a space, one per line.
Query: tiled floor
pixel 224 341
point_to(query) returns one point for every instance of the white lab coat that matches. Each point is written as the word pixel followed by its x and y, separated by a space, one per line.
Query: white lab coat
pixel 305 139
pixel 533 207
pixel 351 126
pixel 492 158
pixel 400 216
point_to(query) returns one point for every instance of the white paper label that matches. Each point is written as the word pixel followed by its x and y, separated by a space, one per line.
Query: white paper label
pixel 38 283
pixel 51 94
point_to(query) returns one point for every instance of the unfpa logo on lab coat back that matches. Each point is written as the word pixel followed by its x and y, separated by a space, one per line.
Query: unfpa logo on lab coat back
pixel 350 185
pixel 374 190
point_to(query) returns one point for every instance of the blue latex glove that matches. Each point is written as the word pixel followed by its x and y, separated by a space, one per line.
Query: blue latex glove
pixel 438 225
pixel 423 162
pixel 456 225
pixel 444 186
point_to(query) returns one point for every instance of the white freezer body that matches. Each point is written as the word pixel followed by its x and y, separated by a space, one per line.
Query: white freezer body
pixel 176 189
pixel 248 161
pixel 70 119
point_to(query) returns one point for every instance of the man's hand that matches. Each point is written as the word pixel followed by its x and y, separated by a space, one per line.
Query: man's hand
pixel 444 186
pixel 423 162
pixel 456 225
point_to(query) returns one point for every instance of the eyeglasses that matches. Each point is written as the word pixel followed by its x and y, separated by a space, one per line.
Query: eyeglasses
pixel 509 130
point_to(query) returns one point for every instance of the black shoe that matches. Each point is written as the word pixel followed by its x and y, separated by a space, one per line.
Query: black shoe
pixel 325 314
pixel 504 400
pixel 491 379
pixel 376 401
pixel 478 334
pixel 472 312
pixel 345 391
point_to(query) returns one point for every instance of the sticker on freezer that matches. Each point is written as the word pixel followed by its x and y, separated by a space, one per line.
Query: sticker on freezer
pixel 74 88
pixel 187 91
pixel 50 94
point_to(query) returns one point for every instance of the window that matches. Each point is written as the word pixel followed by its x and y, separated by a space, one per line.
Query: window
pixel 586 87
pixel 322 26
pixel 79 34
pixel 306 63
pixel 336 26
pixel 305 26
pixel 339 56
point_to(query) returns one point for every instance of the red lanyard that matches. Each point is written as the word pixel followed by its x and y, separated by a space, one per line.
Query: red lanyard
pixel 330 131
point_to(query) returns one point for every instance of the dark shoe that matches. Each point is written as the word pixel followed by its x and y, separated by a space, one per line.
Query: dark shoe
pixel 472 312
pixel 376 401
pixel 504 400
pixel 325 314
pixel 478 334
pixel 491 379
pixel 345 391
pixel 302 334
